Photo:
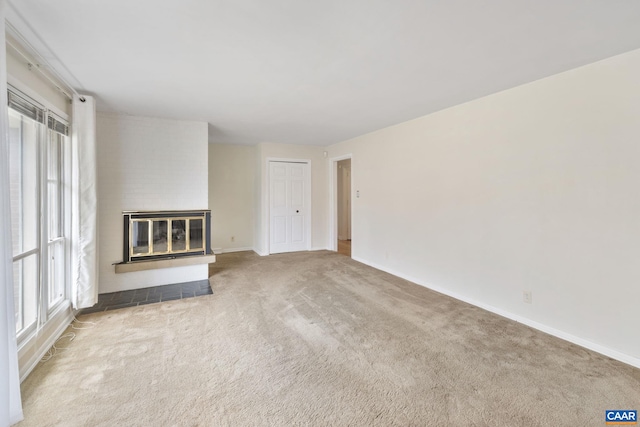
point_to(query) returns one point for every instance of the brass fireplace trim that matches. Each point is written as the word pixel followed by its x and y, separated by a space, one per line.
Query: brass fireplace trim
pixel 138 246
pixel 169 250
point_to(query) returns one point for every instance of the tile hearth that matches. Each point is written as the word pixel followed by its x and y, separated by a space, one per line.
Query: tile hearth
pixel 135 297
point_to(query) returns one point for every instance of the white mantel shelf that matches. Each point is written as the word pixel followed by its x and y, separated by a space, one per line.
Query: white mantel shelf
pixel 164 263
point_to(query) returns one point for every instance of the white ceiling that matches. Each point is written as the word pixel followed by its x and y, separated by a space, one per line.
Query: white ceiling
pixel 315 72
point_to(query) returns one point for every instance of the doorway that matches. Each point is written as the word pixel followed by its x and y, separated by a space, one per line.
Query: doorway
pixel 341 178
pixel 344 207
pixel 289 206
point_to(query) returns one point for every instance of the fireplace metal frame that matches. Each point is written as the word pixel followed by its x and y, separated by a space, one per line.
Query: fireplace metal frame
pixel 130 217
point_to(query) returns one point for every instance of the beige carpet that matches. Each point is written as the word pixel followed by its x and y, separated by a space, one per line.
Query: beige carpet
pixel 319 339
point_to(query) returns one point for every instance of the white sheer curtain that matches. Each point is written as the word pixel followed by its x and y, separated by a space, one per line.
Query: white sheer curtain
pixel 10 400
pixel 84 203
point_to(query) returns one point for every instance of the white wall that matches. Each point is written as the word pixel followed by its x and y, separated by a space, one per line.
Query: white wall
pixel 231 196
pixel 319 194
pixel 534 188
pixel 147 164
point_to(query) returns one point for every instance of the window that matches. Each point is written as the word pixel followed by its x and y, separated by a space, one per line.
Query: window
pixel 56 243
pixel 38 176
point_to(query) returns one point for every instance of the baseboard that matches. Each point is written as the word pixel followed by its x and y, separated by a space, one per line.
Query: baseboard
pixel 56 326
pixel 614 354
pixel 316 248
pixel 230 250
pixel 260 252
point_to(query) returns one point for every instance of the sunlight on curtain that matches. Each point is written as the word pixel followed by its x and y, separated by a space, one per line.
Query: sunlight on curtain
pixel 84 204
pixel 10 400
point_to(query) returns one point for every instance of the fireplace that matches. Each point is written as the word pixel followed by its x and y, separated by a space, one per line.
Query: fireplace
pixel 162 235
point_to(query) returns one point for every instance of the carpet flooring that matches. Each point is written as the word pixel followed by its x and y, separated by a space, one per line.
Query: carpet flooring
pixel 318 339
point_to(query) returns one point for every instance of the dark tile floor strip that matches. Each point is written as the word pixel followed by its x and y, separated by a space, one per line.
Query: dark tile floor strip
pixel 132 298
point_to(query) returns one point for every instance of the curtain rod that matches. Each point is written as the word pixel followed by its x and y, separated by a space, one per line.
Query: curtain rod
pixel 33 61
pixel 34 65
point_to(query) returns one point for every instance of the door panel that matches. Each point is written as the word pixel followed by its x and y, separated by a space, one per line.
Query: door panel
pixel 289 207
pixel 280 194
pixel 297 229
pixel 297 193
pixel 279 229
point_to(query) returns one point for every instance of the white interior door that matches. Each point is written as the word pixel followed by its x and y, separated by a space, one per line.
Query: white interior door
pixel 289 203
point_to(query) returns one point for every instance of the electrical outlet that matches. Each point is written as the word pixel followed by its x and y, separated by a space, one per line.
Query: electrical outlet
pixel 233 238
pixel 526 297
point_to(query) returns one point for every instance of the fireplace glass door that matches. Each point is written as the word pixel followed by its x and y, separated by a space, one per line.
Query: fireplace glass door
pixel 160 242
pixel 140 238
pixel 196 228
pixel 166 236
pixel 179 235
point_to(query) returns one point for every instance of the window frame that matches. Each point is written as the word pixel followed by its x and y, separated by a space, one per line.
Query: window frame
pixel 64 210
pixel 45 247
